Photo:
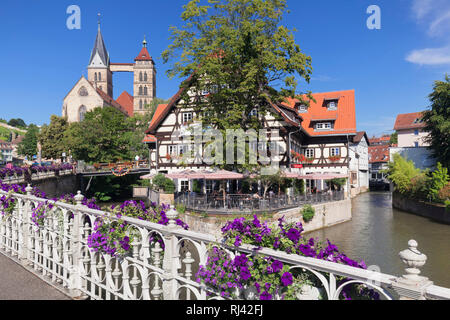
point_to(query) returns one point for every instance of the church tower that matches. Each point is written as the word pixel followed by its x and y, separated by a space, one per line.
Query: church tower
pixel 144 85
pixel 99 73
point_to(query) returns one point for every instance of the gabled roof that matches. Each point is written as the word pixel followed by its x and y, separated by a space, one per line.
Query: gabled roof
pixel 359 136
pixel 163 110
pixel 100 49
pixel 409 121
pixel 344 117
pixel 111 101
pixel 127 102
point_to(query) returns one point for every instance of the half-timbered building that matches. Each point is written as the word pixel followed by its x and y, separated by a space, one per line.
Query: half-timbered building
pixel 313 139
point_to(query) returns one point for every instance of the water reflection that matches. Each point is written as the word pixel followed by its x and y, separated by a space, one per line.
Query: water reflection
pixel 377 233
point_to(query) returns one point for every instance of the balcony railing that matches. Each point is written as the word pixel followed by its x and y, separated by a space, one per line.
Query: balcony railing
pixel 58 252
pixel 248 203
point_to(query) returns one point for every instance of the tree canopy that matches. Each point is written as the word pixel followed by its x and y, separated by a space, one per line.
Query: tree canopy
pixel 28 146
pixel 437 120
pixel 238 56
pixel 103 136
pixel 51 138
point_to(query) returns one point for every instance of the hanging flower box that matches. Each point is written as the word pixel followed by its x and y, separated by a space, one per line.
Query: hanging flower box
pixel 334 159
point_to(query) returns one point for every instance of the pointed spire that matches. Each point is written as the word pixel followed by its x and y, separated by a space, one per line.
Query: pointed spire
pixel 99 50
pixel 144 43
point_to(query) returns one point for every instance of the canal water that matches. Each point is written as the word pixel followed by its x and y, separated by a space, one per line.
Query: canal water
pixel 378 232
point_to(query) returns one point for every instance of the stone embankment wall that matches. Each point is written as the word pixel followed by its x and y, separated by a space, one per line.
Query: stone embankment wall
pixel 326 214
pixel 57 186
pixel 427 210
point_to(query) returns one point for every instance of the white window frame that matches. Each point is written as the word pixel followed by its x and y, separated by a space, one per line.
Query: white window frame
pixel 309 153
pixel 187 117
pixel 335 151
pixel 323 126
pixel 332 105
pixel 303 108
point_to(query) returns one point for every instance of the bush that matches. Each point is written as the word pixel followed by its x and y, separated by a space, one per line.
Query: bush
pixel 181 208
pixel 161 182
pixel 438 181
pixel 308 213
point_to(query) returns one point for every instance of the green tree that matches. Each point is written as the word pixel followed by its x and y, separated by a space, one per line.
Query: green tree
pixel 28 146
pixel 51 138
pixel 437 120
pixel 394 138
pixel 103 136
pixel 238 52
pixel 18 123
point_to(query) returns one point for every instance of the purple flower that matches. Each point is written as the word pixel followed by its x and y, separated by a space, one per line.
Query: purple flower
pixel 265 296
pixel 286 279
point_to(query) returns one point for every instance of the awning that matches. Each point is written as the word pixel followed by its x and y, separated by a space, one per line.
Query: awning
pixel 322 176
pixel 207 175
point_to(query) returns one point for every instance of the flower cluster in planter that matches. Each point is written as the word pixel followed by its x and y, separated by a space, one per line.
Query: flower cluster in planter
pixel 24 171
pixel 7 204
pixel 270 279
pixel 114 236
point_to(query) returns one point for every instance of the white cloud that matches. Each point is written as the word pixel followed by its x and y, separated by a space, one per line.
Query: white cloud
pixel 430 56
pixel 434 16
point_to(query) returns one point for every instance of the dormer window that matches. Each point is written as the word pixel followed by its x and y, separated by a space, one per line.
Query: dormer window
pixel 302 108
pixel 323 126
pixel 332 105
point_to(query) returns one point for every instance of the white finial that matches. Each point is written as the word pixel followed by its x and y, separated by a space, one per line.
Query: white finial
pixel 98 14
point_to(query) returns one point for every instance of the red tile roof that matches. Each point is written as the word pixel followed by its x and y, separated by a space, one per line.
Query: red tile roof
pixel 127 102
pixel 409 121
pixel 379 154
pixel 344 117
pixel 143 55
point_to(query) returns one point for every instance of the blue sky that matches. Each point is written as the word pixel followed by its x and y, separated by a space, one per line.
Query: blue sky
pixel 392 70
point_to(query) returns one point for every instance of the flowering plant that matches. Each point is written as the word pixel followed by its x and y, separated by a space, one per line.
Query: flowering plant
pixel 114 236
pixel 39 213
pixel 334 158
pixel 7 204
pixel 270 278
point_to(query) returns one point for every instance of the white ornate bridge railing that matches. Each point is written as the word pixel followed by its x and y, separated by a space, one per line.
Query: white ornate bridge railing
pixel 58 252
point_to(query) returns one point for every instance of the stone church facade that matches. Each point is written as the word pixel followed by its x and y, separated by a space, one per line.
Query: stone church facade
pixel 97 89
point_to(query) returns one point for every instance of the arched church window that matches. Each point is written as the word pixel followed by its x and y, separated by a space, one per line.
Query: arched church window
pixel 95 76
pixel 140 104
pixel 140 90
pixel 99 76
pixel 83 92
pixel 81 113
pixel 140 76
pixel 145 91
pixel 145 76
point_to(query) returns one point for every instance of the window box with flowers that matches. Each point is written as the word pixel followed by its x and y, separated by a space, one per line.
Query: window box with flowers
pixel 334 159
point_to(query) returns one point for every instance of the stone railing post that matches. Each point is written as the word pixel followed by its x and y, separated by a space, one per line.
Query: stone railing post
pixel 75 268
pixel 26 216
pixel 171 261
pixel 411 286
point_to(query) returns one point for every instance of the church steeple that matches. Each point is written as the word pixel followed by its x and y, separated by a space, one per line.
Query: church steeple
pixel 99 56
pixel 99 73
